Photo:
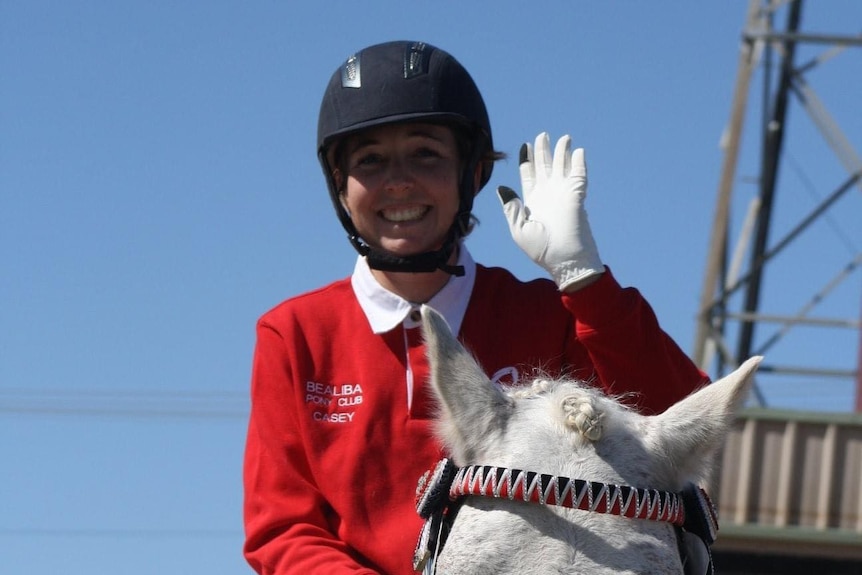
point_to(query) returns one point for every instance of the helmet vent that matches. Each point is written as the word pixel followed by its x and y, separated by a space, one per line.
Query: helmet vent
pixel 350 74
pixel 416 60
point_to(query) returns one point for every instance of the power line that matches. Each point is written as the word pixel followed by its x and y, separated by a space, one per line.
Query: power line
pixel 123 393
pixel 123 533
pixel 124 403
pixel 120 412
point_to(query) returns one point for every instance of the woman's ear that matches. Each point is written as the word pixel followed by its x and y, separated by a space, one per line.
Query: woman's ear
pixel 342 197
pixel 477 178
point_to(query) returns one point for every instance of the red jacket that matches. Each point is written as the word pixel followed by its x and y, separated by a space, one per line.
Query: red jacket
pixel 333 453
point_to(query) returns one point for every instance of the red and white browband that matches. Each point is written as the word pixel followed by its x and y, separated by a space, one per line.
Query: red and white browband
pixel 519 485
pixel 440 490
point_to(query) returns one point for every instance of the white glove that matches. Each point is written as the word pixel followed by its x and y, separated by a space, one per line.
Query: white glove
pixel 551 224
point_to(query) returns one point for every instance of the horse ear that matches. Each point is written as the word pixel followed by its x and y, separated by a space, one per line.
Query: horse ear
pixel 471 406
pixel 691 430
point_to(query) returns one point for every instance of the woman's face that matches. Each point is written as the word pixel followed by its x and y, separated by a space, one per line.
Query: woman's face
pixel 401 189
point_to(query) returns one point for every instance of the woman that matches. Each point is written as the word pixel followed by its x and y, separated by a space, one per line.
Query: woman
pixel 341 424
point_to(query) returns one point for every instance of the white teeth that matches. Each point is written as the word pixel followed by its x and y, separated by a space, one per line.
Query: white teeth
pixel 404 215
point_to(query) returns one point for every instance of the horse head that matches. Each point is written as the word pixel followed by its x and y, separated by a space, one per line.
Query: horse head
pixel 564 439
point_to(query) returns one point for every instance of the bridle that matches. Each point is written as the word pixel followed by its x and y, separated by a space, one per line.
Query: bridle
pixel 441 491
pixel 520 485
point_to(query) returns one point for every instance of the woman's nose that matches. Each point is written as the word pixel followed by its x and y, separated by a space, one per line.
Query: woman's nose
pixel 398 177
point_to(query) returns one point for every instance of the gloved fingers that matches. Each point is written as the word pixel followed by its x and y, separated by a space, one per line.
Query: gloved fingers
pixel 578 173
pixel 525 154
pixel 527 168
pixel 542 156
pixel 523 229
pixel 513 207
pixel 579 163
pixel 562 156
pixel 506 195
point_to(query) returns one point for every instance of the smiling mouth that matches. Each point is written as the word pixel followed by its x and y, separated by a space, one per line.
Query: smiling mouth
pixel 404 214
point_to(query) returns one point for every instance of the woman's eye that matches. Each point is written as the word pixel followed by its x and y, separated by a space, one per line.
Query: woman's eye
pixel 368 160
pixel 427 153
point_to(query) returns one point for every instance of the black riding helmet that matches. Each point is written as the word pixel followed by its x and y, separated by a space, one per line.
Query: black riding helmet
pixel 401 82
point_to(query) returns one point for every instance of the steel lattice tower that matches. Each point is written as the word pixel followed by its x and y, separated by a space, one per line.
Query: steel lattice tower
pixel 737 315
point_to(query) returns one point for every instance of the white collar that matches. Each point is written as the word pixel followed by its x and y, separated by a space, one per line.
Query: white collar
pixel 386 310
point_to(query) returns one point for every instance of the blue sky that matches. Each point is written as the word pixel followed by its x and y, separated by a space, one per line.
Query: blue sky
pixel 159 191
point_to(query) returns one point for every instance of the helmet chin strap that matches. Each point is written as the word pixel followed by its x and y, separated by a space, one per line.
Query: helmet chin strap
pixel 425 262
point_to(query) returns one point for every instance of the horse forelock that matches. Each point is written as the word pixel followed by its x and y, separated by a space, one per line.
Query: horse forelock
pixel 576 405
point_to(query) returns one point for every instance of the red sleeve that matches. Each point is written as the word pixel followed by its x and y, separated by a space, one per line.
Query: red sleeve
pixel 289 526
pixel 629 350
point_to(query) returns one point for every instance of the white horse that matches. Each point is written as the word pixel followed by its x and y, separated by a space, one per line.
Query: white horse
pixel 587 445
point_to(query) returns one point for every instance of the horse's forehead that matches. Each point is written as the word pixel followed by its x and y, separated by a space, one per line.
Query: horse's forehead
pixel 548 405
pixel 550 388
